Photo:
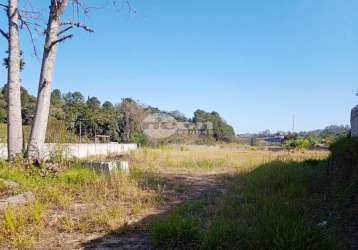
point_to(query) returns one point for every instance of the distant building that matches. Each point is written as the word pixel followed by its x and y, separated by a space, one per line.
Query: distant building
pixel 274 139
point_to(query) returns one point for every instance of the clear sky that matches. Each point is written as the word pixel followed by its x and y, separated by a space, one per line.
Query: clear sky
pixel 256 62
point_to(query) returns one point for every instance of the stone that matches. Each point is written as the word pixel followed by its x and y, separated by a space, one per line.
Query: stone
pixel 354 122
pixel 108 166
pixel 17 200
pixel 9 183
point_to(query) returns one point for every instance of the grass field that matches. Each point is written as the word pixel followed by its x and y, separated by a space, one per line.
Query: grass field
pixel 225 196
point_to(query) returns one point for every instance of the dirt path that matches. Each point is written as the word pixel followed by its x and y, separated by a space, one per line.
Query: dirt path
pixel 137 235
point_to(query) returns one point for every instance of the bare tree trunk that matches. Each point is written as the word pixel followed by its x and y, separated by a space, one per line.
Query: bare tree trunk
pixel 126 128
pixel 39 126
pixel 15 138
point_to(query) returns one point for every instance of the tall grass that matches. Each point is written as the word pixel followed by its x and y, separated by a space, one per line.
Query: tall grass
pixel 75 200
pixel 80 201
pixel 270 207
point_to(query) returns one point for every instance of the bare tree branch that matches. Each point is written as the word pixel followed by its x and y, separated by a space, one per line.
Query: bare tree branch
pixel 6 35
pixel 64 31
pixel 60 40
pixel 78 25
pixel 4 6
pixel 27 24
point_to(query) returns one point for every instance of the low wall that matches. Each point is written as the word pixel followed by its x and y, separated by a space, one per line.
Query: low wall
pixel 354 122
pixel 79 150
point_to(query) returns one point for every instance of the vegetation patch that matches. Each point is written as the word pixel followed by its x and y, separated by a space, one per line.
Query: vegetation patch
pixel 74 200
pixel 267 208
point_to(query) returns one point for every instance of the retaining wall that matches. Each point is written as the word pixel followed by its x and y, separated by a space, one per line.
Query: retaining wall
pixel 79 150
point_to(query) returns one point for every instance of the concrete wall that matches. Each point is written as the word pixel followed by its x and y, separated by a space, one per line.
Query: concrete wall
pixel 79 150
pixel 354 122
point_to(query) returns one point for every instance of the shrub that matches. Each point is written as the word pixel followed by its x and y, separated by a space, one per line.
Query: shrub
pixel 301 143
pixel 344 158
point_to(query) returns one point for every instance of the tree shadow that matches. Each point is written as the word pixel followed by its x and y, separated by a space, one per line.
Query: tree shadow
pixel 269 179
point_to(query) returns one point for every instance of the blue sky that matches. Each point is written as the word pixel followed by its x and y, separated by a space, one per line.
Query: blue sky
pixel 256 62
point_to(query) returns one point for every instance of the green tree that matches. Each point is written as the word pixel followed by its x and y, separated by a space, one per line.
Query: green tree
pixel 221 130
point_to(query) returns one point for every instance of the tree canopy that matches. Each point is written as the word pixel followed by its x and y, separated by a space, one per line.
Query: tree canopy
pixel 122 122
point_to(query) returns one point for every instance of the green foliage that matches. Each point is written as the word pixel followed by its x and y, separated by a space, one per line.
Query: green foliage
pixel 299 143
pixel 220 129
pixel 264 209
pixel 71 115
pixel 344 164
pixel 5 62
pixel 176 232
pixel 78 176
pixel 138 138
pixel 28 103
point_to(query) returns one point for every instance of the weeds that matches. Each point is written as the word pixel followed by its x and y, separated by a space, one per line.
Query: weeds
pixel 108 200
pixel 22 225
pixel 264 209
pixel 260 208
pixel 176 232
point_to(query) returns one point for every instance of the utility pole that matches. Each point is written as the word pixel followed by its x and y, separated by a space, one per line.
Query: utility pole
pixel 293 123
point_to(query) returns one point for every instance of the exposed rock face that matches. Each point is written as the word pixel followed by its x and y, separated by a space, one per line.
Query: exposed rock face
pixel 354 122
pixel 16 200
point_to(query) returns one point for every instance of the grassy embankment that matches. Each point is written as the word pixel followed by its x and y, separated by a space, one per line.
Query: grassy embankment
pixel 273 200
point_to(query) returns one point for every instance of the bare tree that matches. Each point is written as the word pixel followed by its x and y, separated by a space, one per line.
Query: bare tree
pixel 15 136
pixel 55 33
pixel 126 128
pixel 38 131
pixel 53 36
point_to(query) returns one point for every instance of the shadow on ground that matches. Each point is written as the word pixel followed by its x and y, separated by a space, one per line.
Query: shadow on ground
pixel 271 198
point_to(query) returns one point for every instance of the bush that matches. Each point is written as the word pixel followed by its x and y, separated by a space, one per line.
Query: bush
pixel 344 158
pixel 300 143
pixel 138 138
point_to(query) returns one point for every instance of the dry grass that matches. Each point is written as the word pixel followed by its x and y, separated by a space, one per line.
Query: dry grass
pixel 79 201
pixel 216 158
